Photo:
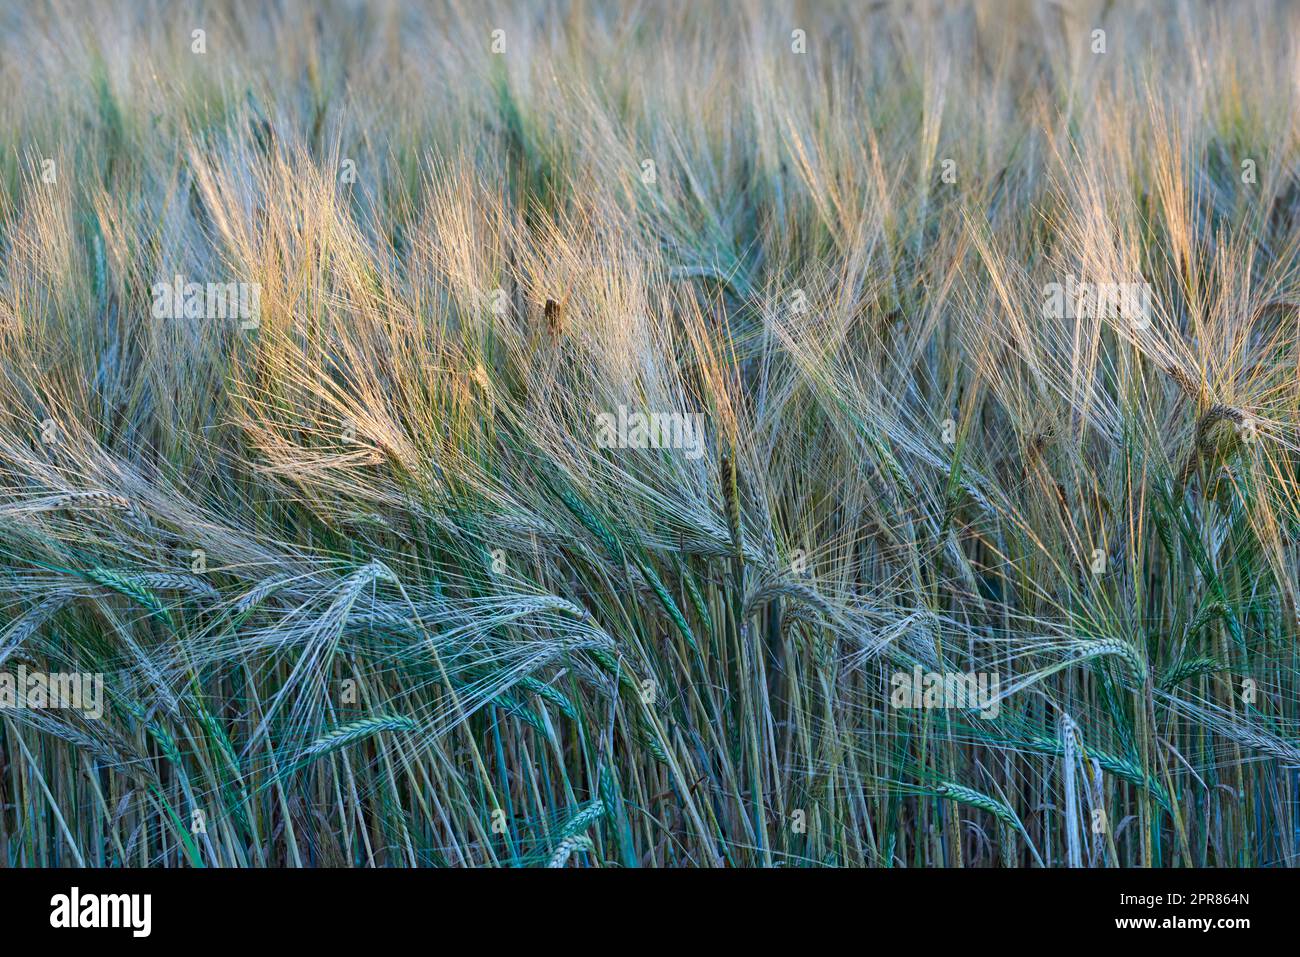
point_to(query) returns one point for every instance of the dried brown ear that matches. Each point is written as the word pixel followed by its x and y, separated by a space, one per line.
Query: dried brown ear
pixel 554 313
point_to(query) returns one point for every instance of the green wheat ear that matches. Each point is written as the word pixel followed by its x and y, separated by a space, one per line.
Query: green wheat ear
pixel 583 818
pixel 132 587
pixel 1188 668
pixel 568 847
pixel 353 731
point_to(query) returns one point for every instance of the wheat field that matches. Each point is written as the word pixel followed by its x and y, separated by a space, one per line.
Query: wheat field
pixel 563 433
